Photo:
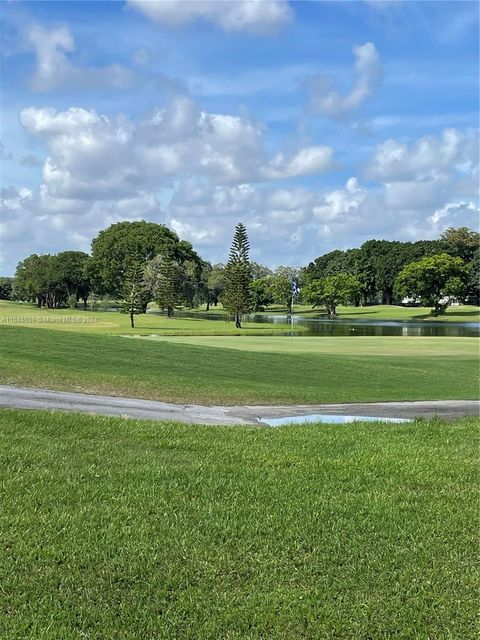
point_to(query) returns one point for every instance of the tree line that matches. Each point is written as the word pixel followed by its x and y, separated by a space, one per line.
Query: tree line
pixel 378 263
pixel 135 263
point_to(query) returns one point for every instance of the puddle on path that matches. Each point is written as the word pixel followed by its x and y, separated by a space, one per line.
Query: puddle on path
pixel 328 419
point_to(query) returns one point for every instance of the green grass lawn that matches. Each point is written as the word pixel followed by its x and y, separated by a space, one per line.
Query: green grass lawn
pixel 115 323
pixel 375 346
pixel 408 368
pixel 462 313
pixel 129 530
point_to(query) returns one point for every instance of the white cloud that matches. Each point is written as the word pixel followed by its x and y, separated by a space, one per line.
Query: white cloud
pixel 307 161
pixel 342 202
pixel 456 214
pixel 54 68
pixel 39 222
pixel 202 172
pixel 287 225
pixel 258 17
pixel 92 156
pixel 327 101
pixel 427 157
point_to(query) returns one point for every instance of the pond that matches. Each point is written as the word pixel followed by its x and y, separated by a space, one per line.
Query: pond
pixel 324 326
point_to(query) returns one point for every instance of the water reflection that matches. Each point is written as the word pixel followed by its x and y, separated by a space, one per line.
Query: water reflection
pixel 328 419
pixel 326 327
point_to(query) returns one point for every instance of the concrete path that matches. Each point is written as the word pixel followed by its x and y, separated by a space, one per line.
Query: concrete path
pixel 25 398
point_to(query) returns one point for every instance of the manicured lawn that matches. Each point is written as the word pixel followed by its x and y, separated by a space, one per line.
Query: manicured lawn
pixel 375 346
pixel 115 323
pixel 124 530
pixel 204 374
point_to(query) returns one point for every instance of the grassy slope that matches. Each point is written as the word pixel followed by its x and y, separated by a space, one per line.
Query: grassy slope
pixel 189 373
pixel 462 313
pixel 127 530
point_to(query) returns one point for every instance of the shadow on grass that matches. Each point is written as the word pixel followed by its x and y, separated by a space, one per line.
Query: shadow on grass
pixel 456 314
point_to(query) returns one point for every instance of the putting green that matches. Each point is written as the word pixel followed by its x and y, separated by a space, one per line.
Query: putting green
pixel 349 346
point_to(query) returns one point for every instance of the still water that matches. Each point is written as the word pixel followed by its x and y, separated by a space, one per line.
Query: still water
pixel 325 327
pixel 327 419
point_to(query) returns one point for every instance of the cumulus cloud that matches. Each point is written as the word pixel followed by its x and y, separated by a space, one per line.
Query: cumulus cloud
pixel 341 202
pixel 307 161
pixel 54 68
pixel 258 17
pixel 427 157
pixel 327 101
pixel 35 221
pixel 455 214
pixel 200 173
pixel 287 225
pixel 92 155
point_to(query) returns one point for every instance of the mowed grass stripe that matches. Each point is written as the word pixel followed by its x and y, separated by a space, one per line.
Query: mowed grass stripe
pixel 123 529
pixel 343 345
pixel 188 373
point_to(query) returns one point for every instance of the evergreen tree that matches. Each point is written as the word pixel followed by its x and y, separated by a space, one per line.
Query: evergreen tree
pixel 133 298
pixel 164 279
pixel 236 297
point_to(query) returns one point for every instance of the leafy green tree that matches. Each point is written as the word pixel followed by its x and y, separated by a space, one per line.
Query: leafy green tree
pixel 71 270
pixel 376 265
pixel 432 278
pixel 281 286
pixel 190 281
pixel 331 291
pixel 37 278
pixel 461 242
pixel 260 271
pixel 473 285
pixel 203 294
pixel 133 290
pixel 261 293
pixel 52 280
pixel 113 248
pixel 6 288
pixel 216 283
pixel 236 297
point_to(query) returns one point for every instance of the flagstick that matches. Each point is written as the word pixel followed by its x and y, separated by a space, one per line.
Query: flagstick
pixel 291 320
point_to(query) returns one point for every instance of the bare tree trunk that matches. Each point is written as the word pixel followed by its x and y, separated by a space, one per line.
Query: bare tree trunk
pixel 132 322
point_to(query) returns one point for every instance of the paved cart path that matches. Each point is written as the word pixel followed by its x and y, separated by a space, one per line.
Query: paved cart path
pixel 26 398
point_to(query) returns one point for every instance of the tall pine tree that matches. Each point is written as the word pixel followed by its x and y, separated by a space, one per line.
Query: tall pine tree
pixel 164 281
pixel 236 297
pixel 133 299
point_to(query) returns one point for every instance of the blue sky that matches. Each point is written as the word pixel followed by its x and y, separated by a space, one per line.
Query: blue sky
pixel 317 124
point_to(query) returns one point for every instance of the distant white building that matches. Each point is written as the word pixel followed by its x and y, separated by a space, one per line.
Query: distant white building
pixel 410 302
